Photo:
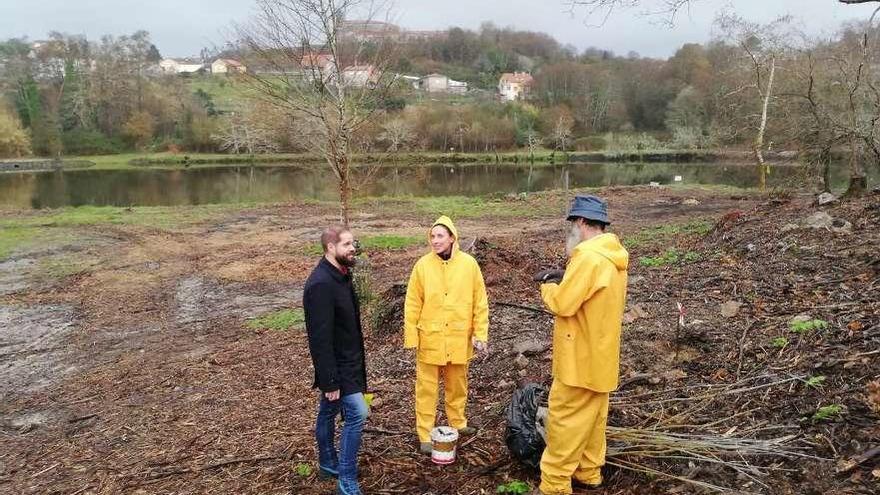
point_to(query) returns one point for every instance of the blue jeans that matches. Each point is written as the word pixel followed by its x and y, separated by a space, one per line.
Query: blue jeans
pixel 354 412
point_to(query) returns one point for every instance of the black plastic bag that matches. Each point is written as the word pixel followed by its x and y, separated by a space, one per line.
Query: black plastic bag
pixel 523 434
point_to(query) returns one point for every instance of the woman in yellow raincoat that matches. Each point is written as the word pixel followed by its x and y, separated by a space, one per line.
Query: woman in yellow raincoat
pixel 446 317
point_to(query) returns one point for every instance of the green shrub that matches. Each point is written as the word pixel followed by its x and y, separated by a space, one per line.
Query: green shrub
pixel 90 142
pixel 590 143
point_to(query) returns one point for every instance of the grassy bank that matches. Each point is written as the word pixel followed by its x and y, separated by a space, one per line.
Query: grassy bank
pixel 28 228
pixel 48 227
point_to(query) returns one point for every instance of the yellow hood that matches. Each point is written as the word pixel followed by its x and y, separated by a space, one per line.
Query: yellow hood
pixel 446 222
pixel 609 246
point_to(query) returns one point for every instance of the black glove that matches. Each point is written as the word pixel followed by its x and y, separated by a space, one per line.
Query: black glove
pixel 549 276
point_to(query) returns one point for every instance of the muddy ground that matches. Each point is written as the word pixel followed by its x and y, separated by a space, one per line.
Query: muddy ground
pixel 137 372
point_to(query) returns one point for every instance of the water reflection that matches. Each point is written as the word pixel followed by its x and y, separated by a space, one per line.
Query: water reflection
pixel 281 183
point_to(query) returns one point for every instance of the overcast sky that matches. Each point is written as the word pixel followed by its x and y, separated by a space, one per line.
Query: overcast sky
pixel 183 27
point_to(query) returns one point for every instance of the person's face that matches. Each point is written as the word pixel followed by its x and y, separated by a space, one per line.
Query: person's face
pixel 343 251
pixel 441 241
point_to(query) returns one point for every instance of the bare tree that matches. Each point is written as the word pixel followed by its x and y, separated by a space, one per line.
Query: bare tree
pixel 309 59
pixel 246 132
pixel 765 47
pixel 398 133
pixel 562 131
pixel 840 91
pixel 603 9
pixel 533 141
pixel 663 8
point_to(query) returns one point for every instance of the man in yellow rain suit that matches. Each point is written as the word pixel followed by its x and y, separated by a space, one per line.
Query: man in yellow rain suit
pixel 446 317
pixel 588 303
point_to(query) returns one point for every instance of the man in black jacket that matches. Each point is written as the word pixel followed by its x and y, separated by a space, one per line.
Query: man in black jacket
pixel 336 343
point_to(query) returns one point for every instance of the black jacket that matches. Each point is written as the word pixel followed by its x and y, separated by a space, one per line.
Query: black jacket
pixel 333 322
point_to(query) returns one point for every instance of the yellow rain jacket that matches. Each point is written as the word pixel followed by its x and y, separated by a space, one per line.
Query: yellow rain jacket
pixel 589 305
pixel 446 305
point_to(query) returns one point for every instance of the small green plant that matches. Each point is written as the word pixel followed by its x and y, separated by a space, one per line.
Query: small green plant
pixel 286 319
pixel 816 381
pixel 827 412
pixel 691 257
pixel 779 342
pixel 516 487
pixel 303 470
pixel 671 256
pixel 808 326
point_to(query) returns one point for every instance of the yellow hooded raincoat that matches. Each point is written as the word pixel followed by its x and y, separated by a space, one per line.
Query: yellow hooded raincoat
pixel 446 307
pixel 589 305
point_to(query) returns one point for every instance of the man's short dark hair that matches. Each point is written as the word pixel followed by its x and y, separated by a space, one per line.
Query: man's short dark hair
pixel 332 234
pixel 593 223
pixel 596 224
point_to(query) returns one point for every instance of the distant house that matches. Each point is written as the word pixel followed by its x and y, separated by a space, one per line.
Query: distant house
pixel 360 76
pixel 180 66
pixel 321 62
pixel 439 83
pixel 515 85
pixel 227 65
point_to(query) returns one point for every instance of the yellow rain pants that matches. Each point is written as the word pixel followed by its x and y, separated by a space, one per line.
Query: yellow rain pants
pixel 575 438
pixel 455 380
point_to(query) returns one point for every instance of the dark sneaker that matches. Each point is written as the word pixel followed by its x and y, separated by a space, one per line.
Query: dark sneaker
pixel 589 486
pixel 426 448
pixel 327 472
pixel 467 431
pixel 348 487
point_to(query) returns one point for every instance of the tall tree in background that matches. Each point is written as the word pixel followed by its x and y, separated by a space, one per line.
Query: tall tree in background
pixel 300 52
pixel 840 92
pixel 764 49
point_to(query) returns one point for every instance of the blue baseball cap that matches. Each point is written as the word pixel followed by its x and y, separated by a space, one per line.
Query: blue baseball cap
pixel 589 207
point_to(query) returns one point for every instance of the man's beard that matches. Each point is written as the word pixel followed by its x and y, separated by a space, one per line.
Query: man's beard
pixel 573 239
pixel 346 261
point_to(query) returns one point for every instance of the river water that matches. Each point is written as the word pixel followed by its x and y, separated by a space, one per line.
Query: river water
pixel 278 183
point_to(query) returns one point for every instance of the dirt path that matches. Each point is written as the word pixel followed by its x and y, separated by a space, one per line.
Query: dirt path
pixel 140 375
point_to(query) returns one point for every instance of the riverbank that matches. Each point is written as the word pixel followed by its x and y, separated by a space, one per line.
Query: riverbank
pixel 37 164
pixel 179 330
pixel 543 157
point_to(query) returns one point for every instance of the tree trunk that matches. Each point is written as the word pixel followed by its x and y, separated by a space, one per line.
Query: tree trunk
pixel 858 181
pixel 344 189
pixel 825 161
pixel 857 186
pixel 759 139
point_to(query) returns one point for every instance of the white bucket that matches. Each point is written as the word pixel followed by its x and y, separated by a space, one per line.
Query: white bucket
pixel 443 442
